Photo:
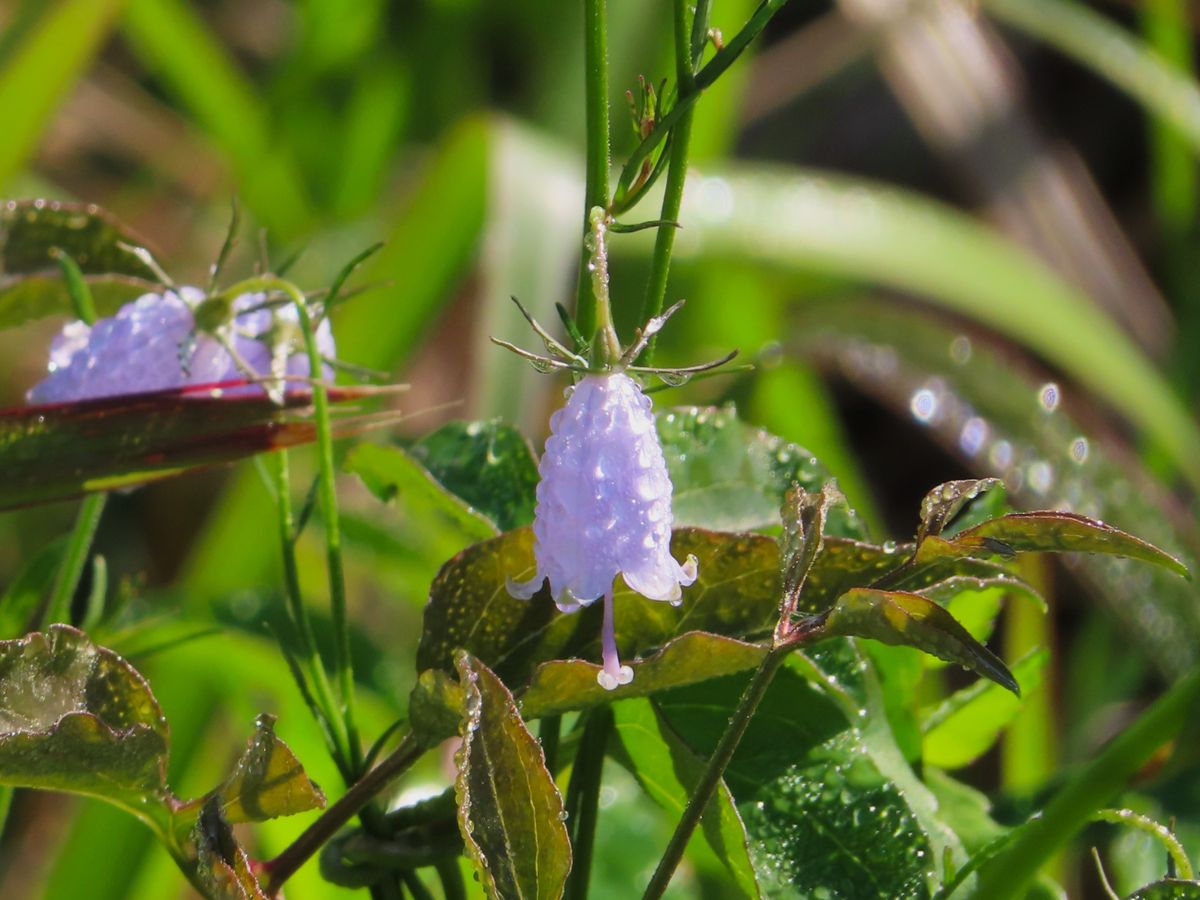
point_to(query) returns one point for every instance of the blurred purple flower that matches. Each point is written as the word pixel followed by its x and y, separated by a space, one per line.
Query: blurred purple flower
pixel 604 508
pixel 138 349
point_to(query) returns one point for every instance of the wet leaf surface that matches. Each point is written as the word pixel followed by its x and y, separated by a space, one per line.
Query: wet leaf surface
pixel 729 476
pixel 902 618
pixel 30 286
pixel 945 501
pixel 821 817
pixel 1168 889
pixel 76 717
pixel 488 464
pixel 57 451
pixel 1060 532
pixel 469 607
pixel 668 770
pixel 509 811
pixel 267 780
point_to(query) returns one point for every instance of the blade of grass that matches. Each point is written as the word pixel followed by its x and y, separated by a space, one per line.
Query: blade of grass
pixel 816 222
pixel 175 44
pixel 43 68
pixel 1113 53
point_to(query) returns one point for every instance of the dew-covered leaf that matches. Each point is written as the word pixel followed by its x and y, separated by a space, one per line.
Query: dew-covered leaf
pixel 902 618
pixel 735 595
pixel 804 516
pixel 964 726
pixel 30 285
pixel 488 464
pixel 668 770
pixel 56 451
pixel 391 474
pixel 1048 532
pixel 509 811
pixel 267 781
pixel 563 685
pixel 77 717
pixel 222 868
pixel 821 817
pixel 945 501
pixel 730 476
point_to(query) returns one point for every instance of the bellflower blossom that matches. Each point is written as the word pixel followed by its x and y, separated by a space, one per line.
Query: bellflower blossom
pixel 604 508
pixel 139 349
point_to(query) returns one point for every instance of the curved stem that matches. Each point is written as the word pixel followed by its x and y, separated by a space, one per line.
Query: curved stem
pixel 1007 873
pixel 717 763
pixel 595 47
pixel 327 499
pixel 283 866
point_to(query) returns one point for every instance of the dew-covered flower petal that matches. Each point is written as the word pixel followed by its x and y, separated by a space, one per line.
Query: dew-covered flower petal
pixel 604 507
pixel 138 349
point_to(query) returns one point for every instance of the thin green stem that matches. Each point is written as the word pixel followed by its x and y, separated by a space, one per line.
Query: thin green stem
pixel 78 548
pixel 283 866
pixel 717 764
pixel 583 798
pixel 331 722
pixel 595 49
pixel 1008 873
pixel 677 166
pixel 453 886
pixel 327 501
pixel 705 78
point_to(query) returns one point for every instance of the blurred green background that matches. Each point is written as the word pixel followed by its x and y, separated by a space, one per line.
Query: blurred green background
pixel 955 238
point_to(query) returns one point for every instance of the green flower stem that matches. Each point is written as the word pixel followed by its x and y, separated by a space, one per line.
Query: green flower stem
pixel 92 507
pixel 327 499
pixel 283 866
pixel 677 166
pixel 717 764
pixel 583 798
pixel 705 78
pixel 80 544
pixel 1162 834
pixel 332 723
pixel 595 49
pixel 1008 873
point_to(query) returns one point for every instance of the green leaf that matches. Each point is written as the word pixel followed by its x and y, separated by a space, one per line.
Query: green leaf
pixel 488 464
pixel 31 284
pixel 945 501
pixel 1168 889
pixel 730 476
pixel 735 595
pixel 1059 532
pixel 668 770
pixel 391 474
pixel 55 451
pixel 1112 52
pixel 821 817
pixel 964 726
pixel 267 780
pixel 76 717
pixel 509 811
pixel 43 69
pixel 902 618
pixel 174 42
pixel 563 685
pixel 221 869
pixel 804 516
